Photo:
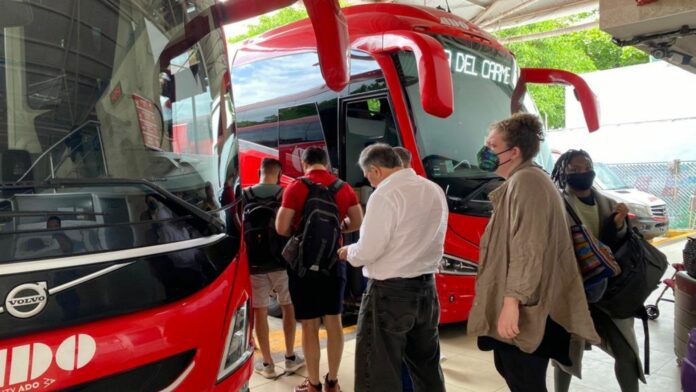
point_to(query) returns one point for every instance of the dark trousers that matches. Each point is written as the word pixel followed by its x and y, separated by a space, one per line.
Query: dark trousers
pixel 522 372
pixel 398 323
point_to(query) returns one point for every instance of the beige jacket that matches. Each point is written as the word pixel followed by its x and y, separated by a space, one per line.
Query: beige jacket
pixel 527 253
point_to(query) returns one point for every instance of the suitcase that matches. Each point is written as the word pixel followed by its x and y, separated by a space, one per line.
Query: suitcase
pixel 688 376
pixel 690 256
pixel 684 312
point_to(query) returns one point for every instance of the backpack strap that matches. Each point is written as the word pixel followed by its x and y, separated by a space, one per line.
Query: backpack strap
pixel 336 186
pixel 643 316
pixel 248 195
pixel 570 209
pixel 279 194
pixel 307 182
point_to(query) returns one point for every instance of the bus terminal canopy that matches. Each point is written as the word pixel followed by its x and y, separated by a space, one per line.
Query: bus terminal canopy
pixel 665 29
pixel 501 14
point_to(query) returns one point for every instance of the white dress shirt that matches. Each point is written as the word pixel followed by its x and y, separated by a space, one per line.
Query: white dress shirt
pixel 403 233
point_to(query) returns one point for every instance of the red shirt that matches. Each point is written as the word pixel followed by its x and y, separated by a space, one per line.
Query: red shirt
pixel 295 195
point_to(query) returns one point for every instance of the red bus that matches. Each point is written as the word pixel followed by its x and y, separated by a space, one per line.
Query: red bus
pixel 119 267
pixel 420 78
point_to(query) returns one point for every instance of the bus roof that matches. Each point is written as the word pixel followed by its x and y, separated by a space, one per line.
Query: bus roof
pixel 363 20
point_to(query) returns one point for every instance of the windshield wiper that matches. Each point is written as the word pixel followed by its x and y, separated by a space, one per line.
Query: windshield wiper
pixel 460 163
pixel 210 220
pixel 463 202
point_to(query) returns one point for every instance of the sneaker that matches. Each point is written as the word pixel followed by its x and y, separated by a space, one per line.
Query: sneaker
pixel 307 386
pixel 292 365
pixel 267 371
pixel 331 386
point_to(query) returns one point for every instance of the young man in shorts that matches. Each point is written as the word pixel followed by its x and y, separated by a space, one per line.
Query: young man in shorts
pixel 319 297
pixel 268 277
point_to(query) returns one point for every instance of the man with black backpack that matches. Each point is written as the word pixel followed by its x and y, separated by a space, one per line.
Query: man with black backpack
pixel 316 209
pixel 268 272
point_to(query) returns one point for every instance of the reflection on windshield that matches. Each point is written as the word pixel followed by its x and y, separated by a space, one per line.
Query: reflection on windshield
pixel 484 80
pixel 78 220
pixel 85 93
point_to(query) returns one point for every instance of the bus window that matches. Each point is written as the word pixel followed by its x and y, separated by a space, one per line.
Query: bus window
pixel 368 121
pixel 258 126
pixel 299 127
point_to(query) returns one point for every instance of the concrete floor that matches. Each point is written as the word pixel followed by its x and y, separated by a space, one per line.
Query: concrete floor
pixel 467 369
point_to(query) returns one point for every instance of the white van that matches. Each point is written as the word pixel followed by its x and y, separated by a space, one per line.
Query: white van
pixel 647 212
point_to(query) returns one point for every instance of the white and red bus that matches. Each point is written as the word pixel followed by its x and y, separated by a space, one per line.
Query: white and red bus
pixel 120 269
pixel 420 78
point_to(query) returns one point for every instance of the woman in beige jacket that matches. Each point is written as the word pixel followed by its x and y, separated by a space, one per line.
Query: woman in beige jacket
pixel 529 294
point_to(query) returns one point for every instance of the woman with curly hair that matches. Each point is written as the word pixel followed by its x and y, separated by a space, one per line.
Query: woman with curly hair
pixel 529 294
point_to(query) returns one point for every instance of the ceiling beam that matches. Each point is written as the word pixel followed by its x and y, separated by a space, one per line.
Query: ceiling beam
pixel 485 12
pixel 542 15
pixel 552 33
pixel 511 11
pixel 478 3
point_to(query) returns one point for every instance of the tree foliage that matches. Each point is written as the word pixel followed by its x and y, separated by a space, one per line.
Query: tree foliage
pixel 583 51
pixel 268 22
pixel 285 16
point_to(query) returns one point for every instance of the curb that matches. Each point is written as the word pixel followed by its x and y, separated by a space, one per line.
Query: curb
pixel 669 240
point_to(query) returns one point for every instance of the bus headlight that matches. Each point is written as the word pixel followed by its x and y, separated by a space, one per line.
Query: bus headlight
pixel 451 265
pixel 238 347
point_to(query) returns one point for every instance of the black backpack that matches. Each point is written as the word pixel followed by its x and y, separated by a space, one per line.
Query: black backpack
pixel 642 268
pixel 320 230
pixel 263 244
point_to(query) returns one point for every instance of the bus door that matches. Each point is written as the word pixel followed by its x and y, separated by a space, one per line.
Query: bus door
pixel 363 120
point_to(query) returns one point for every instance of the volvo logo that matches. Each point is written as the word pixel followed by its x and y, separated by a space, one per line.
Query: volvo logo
pixel 27 300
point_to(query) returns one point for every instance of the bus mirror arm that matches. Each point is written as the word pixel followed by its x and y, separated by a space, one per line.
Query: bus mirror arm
pixel 333 50
pixel 434 76
pixel 588 101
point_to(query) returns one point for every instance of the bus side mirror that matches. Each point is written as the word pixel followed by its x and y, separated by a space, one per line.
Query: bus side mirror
pixel 588 101
pixel 329 25
pixel 434 76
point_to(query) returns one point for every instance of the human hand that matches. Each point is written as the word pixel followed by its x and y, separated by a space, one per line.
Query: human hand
pixel 343 253
pixel 508 321
pixel 621 213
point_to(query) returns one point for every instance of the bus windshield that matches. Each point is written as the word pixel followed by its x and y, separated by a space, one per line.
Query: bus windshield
pixel 483 80
pixel 93 90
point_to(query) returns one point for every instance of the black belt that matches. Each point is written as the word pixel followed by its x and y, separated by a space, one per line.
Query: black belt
pixel 421 278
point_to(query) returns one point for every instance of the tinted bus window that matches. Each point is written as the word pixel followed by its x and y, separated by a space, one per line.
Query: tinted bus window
pixel 299 127
pixel 258 126
pixel 296 75
pixel 368 121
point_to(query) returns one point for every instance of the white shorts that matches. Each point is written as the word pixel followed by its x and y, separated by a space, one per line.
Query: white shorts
pixel 263 285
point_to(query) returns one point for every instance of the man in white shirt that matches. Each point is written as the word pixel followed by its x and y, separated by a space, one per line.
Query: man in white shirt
pixel 401 243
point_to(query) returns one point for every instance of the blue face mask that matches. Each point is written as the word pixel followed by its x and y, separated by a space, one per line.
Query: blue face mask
pixel 488 160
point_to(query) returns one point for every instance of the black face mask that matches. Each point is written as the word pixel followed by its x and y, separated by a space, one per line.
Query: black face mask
pixel 581 181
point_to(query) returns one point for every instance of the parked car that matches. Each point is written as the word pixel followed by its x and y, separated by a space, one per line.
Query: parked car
pixel 647 212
